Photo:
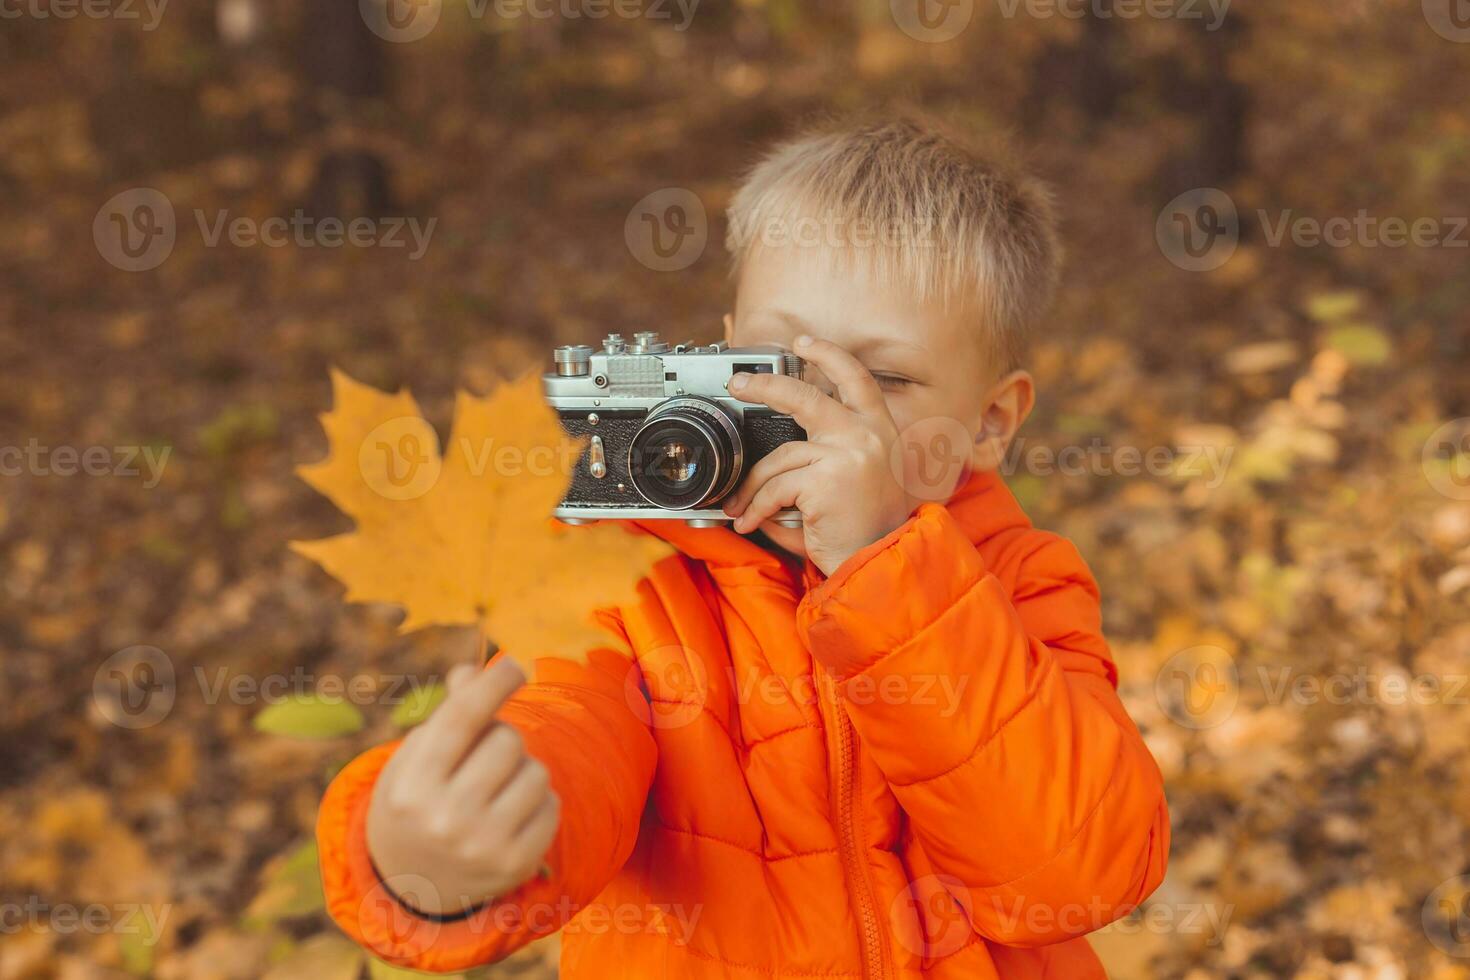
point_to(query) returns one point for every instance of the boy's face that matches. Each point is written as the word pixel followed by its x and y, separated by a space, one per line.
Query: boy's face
pixel 930 363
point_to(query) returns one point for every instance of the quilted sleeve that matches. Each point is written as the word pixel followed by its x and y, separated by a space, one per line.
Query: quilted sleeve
pixel 995 720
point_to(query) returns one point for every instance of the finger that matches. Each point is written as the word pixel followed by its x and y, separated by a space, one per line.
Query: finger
pixel 855 383
pixel 460 675
pixel 778 493
pixel 526 790
pixel 814 411
pixel 458 724
pixel 488 767
pixel 537 833
pixel 787 456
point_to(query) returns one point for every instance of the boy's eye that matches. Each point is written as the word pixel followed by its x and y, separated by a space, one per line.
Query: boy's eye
pixel 891 381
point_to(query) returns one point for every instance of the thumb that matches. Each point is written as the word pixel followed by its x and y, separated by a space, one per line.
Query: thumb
pixel 459 675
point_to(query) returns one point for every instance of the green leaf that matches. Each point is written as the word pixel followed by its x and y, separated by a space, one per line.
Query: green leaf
pixel 1361 343
pixel 783 16
pixel 378 970
pixel 322 957
pixel 1330 307
pixel 1081 425
pixel 308 716
pixel 136 946
pixel 237 427
pixel 291 886
pixel 1029 489
pixel 419 704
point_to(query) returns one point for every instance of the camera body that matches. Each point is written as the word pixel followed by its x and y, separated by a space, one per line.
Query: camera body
pixel 665 439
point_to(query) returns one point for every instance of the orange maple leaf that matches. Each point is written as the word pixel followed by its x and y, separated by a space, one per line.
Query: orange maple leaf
pixel 466 537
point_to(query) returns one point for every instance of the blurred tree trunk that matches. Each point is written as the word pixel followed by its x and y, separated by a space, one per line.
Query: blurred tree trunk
pixel 344 68
pixel 1094 77
pixel 1099 83
pixel 1086 75
pixel 1219 103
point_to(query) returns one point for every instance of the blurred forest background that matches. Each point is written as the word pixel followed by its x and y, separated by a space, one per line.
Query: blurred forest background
pixel 1267 612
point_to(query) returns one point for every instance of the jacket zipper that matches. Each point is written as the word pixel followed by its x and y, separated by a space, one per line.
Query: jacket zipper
pixel 854 861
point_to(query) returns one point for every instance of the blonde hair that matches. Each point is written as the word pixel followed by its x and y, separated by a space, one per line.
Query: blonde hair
pixel 928 211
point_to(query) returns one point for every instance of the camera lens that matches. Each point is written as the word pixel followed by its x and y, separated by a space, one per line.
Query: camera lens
pixel 676 465
pixel 686 455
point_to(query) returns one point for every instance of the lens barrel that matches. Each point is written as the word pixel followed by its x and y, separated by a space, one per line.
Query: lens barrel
pixel 687 454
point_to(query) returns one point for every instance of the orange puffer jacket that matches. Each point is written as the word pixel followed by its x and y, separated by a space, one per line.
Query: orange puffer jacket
pixel 916 768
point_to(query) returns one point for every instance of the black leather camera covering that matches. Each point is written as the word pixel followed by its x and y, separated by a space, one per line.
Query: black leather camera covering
pixel 761 432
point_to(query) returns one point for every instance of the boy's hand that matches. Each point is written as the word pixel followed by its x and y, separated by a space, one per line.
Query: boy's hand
pixel 840 478
pixel 461 812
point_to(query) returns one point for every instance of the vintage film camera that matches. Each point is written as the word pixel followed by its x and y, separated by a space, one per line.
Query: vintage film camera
pixel 665 439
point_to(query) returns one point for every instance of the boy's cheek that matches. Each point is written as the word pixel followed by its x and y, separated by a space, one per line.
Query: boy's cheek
pixel 932 456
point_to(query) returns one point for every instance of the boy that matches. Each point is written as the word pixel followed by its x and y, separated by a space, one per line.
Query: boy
pixel 883 745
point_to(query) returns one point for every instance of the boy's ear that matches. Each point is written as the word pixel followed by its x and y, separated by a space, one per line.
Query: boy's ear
pixel 1006 407
pixel 729 327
